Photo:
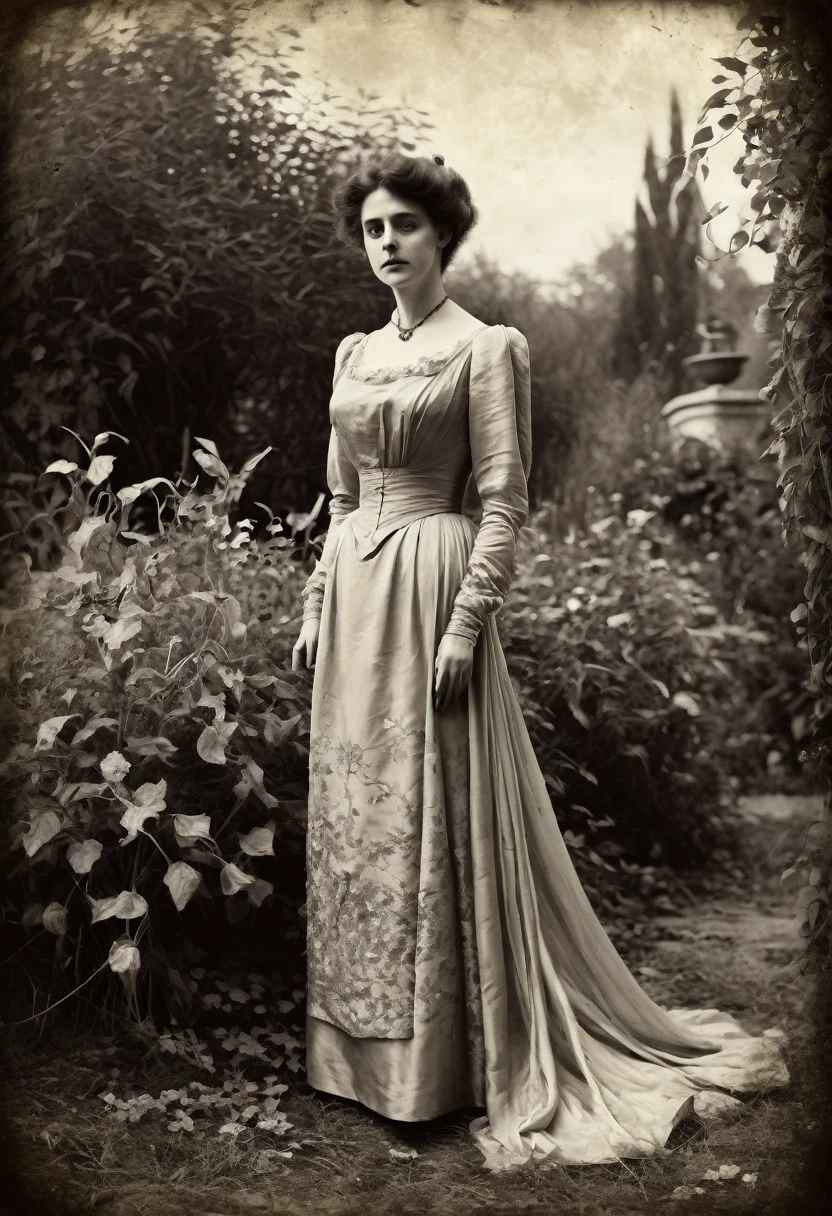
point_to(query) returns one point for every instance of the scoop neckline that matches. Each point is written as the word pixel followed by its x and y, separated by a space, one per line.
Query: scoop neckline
pixel 426 365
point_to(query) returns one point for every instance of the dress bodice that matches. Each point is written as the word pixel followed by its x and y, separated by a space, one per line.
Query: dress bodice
pixel 414 416
pixel 406 442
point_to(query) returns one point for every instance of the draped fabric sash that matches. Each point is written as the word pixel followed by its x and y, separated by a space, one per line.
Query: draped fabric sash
pixel 581 1065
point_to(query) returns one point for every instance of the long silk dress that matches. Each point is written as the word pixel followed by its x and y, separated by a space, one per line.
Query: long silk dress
pixel 453 956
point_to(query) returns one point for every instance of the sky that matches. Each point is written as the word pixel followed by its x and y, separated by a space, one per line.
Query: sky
pixel 545 112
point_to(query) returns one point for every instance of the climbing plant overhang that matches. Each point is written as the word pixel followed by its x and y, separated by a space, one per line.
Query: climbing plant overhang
pixel 773 96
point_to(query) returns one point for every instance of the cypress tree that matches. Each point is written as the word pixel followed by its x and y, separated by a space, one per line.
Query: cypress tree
pixel 658 322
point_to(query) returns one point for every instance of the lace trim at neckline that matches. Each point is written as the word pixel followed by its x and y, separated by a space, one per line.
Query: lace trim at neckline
pixel 427 365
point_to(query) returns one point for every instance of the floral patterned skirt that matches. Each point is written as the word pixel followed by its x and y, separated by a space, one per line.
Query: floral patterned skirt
pixel 453 956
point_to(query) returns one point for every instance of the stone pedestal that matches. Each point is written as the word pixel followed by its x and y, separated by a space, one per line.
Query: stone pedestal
pixel 725 419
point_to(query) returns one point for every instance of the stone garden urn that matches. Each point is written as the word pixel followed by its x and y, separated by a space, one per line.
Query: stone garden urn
pixel 724 418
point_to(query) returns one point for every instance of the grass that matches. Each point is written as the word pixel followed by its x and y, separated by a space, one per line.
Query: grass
pixel 735 949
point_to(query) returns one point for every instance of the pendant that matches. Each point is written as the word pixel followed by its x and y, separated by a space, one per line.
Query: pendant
pixel 405 334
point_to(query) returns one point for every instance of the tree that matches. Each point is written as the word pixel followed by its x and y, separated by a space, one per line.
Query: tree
pixel 659 317
pixel 177 274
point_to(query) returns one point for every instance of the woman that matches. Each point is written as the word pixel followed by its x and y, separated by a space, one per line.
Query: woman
pixel 453 956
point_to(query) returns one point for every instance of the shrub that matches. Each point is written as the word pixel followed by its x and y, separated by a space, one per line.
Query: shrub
pixel 723 524
pixel 655 683
pixel 159 756
pixel 623 690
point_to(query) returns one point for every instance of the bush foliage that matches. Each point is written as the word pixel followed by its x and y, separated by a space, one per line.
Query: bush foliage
pixel 650 702
pixel 160 749
pixel 159 752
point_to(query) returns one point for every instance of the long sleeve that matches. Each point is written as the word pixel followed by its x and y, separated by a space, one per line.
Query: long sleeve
pixel 342 479
pixel 499 422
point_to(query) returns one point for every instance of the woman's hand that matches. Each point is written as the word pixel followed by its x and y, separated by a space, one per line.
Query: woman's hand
pixel 305 648
pixel 453 667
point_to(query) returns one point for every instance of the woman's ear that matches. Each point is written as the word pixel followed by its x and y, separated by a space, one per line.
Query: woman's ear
pixel 445 234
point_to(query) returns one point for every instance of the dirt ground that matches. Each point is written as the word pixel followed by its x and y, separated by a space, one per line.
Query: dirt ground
pixel 737 950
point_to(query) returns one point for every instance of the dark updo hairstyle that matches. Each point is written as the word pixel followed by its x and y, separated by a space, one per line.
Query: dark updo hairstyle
pixel 441 191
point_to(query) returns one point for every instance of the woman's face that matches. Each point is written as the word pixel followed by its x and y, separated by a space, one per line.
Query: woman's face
pixel 401 241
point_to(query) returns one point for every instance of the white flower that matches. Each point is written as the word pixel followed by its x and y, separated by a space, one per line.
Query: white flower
pixel 686 701
pixel 114 767
pixel 618 619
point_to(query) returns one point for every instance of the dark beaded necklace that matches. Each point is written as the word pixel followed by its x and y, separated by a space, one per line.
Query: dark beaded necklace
pixel 404 333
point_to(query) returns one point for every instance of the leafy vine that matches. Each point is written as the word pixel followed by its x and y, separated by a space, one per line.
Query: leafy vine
pixel 773 95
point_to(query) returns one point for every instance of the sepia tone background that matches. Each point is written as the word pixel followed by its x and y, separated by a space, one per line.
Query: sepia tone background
pixel 171 300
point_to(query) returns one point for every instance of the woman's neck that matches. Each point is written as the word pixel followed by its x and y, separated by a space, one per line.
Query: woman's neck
pixel 414 303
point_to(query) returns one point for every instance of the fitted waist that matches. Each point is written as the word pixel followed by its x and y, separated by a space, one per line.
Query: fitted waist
pixel 403 489
pixel 390 499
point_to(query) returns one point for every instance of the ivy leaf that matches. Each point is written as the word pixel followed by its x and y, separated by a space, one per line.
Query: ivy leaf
pixel 182 881
pixel 127 905
pixel 215 701
pixel 717 99
pixel 151 795
pixel 100 469
pixel 716 210
pixel 259 890
pixel 189 828
pixel 252 780
pixel 83 854
pixel 43 829
pixel 233 879
pixel 61 466
pixel 121 631
pixel 213 741
pixel 253 461
pixel 124 956
pixel 822 535
pixel 728 121
pixel 84 531
pixel 259 842
pixel 703 136
pixel 768 171
pixel 150 745
pixel 212 466
pixel 738 240
pixel 49 730
pixel 733 65
pixel 103 436
pixel 92 726
pixel 129 494
pixel 148 802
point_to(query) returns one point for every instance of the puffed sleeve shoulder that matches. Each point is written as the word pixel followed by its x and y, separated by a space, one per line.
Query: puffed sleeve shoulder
pixel 345 348
pixel 499 425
